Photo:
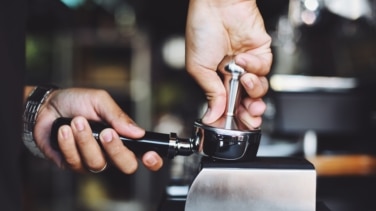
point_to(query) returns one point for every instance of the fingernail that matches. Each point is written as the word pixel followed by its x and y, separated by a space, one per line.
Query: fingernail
pixel 150 160
pixel 107 135
pixel 79 124
pixel 64 132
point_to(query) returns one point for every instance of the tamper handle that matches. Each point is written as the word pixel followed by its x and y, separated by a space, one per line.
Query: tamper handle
pixel 235 72
pixel 166 145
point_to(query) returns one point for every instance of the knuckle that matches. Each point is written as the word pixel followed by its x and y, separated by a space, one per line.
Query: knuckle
pixel 114 150
pixel 131 167
pixel 95 163
pixel 99 95
pixel 74 164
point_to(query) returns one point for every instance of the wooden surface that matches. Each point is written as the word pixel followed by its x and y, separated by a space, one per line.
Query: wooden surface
pixel 344 165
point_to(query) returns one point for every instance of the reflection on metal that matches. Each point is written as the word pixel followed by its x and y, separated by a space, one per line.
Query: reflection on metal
pixel 298 83
pixel 272 184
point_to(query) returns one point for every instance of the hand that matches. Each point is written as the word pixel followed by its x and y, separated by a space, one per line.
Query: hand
pixel 219 28
pixel 79 150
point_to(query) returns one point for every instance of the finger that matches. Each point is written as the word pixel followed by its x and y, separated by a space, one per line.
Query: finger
pixel 120 156
pixel 251 122
pixel 111 113
pixel 152 161
pixel 90 151
pixel 255 86
pixel 255 107
pixel 216 107
pixel 257 64
pixel 250 112
pixel 69 150
pixel 125 126
pixel 215 93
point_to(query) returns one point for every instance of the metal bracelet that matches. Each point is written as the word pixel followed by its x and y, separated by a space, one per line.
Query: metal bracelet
pixel 35 100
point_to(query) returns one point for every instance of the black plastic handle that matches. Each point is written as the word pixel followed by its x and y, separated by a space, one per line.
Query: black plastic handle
pixel 151 141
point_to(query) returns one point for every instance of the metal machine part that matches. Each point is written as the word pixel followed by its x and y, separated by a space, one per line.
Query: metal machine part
pixel 232 73
pixel 221 140
pixel 226 144
pixel 267 183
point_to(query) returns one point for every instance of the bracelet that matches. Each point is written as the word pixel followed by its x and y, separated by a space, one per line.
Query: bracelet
pixel 34 101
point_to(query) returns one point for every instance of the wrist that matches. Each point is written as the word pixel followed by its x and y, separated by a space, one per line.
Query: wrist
pixel 33 103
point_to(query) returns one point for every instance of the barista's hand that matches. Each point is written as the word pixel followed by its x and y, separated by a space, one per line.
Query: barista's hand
pixel 220 28
pixel 79 150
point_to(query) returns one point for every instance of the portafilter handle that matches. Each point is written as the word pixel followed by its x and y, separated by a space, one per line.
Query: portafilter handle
pixel 166 145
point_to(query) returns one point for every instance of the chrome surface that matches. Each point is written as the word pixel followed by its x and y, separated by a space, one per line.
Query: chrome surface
pixel 235 72
pixel 225 144
pixel 244 189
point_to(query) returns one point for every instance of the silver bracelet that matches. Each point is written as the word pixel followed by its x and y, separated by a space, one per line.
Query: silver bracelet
pixel 34 101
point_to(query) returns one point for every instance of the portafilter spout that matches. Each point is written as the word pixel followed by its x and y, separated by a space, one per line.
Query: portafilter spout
pixel 221 140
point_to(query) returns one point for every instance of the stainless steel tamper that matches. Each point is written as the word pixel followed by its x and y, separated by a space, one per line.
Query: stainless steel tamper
pixel 222 140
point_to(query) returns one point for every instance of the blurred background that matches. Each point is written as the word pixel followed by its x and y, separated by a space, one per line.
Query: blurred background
pixel 321 102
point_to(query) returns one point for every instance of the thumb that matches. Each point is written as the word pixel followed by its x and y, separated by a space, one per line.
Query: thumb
pixel 216 108
pixel 215 93
pixel 125 126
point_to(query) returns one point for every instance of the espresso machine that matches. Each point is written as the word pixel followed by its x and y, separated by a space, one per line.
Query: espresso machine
pixel 230 175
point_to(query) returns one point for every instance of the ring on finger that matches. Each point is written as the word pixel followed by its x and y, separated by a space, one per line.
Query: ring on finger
pixel 100 170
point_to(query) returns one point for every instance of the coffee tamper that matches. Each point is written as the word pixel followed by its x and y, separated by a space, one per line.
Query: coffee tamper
pixel 224 139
